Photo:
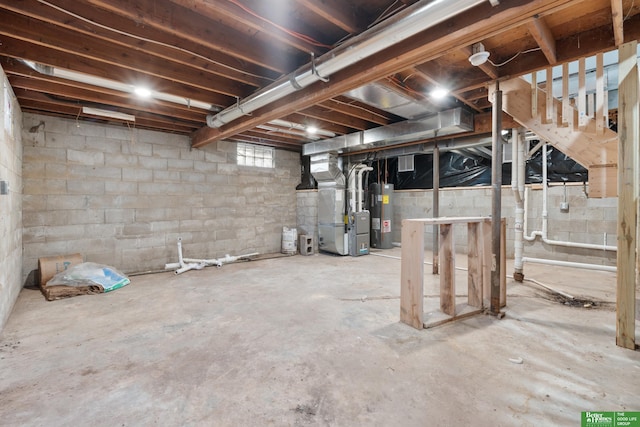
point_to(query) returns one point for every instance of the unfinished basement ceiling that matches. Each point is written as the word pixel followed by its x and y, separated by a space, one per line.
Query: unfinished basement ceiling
pixel 199 57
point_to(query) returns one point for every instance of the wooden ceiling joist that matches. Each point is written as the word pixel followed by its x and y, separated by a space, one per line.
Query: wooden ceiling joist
pixel 543 36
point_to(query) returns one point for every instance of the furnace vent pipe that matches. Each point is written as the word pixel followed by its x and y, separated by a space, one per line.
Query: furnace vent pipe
pixel 413 20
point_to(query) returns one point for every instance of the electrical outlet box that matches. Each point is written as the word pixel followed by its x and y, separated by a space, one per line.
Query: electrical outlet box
pixel 4 188
pixel 564 207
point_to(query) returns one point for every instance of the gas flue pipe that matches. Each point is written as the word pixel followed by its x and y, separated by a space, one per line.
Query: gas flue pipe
pixel 360 171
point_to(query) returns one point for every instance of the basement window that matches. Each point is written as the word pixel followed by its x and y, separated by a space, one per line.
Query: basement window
pixel 254 155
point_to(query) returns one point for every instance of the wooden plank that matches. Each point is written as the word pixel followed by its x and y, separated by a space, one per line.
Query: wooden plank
pixel 617 17
pixel 448 270
pixel 600 97
pixel 412 274
pixel 582 95
pixel 474 265
pixel 534 95
pixel 486 262
pixel 567 110
pixel 549 104
pixel 544 38
pixel 439 322
pixel 628 133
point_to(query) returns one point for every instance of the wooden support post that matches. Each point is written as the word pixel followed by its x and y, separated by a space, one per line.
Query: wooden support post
pixel 600 97
pixel 567 110
pixel 549 116
pixel 486 263
pixel 474 264
pixel 628 134
pixel 534 95
pixel 412 274
pixel 496 199
pixel 448 273
pixel 582 94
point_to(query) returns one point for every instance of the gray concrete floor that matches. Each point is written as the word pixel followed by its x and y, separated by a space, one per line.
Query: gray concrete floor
pixel 311 341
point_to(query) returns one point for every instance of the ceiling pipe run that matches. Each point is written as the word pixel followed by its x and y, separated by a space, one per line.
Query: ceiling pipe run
pixel 415 19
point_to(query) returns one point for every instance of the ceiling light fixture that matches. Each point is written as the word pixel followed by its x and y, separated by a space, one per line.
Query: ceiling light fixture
pixel 439 93
pixel 142 92
pixel 479 56
pixel 108 113
pixel 312 130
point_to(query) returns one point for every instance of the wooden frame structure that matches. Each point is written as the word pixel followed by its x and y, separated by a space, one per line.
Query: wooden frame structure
pixel 479 269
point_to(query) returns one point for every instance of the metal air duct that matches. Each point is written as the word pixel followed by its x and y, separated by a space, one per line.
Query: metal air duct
pixel 415 19
pixel 444 123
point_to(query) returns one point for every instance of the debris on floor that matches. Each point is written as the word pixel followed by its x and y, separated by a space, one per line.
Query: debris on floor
pixel 84 279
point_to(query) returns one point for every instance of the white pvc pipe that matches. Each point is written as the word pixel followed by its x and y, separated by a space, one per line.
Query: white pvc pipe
pixel 517 164
pixel 570 264
pixel 545 218
pixel 413 20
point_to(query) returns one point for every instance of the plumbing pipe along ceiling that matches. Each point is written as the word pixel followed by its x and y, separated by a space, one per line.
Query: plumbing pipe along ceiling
pixel 264 72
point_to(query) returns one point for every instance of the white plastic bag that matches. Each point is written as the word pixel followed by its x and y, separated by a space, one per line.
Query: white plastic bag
pixel 90 274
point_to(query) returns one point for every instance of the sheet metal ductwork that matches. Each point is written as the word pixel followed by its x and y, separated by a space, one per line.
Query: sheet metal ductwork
pixel 448 122
pixel 332 236
pixel 415 19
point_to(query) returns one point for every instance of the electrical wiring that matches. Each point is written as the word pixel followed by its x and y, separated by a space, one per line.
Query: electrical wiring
pixel 513 57
pixel 124 33
pixel 387 12
pixel 292 33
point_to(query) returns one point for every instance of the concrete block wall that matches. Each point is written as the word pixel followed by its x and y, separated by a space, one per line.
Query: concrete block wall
pixel 123 197
pixel 11 203
pixel 307 214
pixel 587 221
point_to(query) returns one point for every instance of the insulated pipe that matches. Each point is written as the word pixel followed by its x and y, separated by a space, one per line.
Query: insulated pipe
pixel 518 164
pixel 415 19
pixel 360 171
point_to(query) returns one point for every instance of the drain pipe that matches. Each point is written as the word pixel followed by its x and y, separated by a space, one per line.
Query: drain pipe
pixel 415 19
pixel 545 218
pixel 544 235
pixel 517 186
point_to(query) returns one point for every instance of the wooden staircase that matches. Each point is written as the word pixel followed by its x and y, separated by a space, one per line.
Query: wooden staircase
pixel 585 139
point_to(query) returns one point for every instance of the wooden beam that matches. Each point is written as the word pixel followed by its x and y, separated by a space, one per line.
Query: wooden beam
pixel 567 109
pixel 233 16
pixel 482 22
pixel 628 133
pixel 166 47
pixel 544 38
pixel 583 117
pixel 550 116
pixel 474 264
pixel 600 96
pixel 338 12
pixel 355 111
pixel 617 17
pixel 412 274
pixel 447 270
pixel 183 23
